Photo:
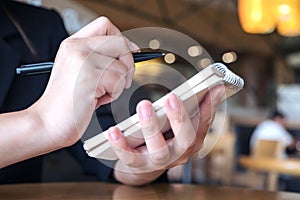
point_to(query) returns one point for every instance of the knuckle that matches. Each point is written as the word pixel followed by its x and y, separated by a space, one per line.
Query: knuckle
pixel 118 80
pixel 70 47
pixel 150 128
pixel 104 20
pixel 122 69
pixel 117 67
pixel 180 117
pixel 130 160
pixel 81 55
pixel 122 44
pixel 122 41
pixel 68 43
pixel 160 157
pixel 100 91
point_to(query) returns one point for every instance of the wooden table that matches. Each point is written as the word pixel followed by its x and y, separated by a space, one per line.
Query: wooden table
pixel 97 190
pixel 288 166
pixel 273 166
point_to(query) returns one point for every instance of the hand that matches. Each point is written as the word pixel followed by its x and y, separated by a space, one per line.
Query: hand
pixel 147 162
pixel 92 67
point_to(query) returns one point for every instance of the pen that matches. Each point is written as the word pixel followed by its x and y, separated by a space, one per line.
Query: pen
pixel 46 67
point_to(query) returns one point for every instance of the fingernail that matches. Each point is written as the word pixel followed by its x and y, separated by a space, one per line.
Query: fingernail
pixel 144 112
pixel 174 102
pixel 114 136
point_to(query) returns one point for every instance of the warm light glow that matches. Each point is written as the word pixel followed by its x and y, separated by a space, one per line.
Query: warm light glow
pixel 194 51
pixel 203 62
pixel 288 12
pixel 229 57
pixel 148 62
pixel 169 58
pixel 256 13
pixel 257 16
pixel 154 44
pixel 284 9
pixel 263 16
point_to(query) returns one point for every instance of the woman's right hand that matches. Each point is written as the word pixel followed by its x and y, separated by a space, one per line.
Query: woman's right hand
pixel 92 67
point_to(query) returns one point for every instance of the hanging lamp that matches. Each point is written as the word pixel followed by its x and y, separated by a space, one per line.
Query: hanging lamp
pixel 288 14
pixel 257 16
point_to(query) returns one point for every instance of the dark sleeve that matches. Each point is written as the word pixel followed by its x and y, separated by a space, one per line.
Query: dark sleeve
pixel 101 169
pixel 91 166
pixel 23 91
pixel 51 34
pixel 44 28
pixel 58 35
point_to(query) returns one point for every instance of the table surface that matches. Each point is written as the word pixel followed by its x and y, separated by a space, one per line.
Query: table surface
pixel 97 190
pixel 289 166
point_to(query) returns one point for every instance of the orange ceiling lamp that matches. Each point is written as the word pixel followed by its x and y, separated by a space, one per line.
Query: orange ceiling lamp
pixel 257 16
pixel 288 12
pixel 264 16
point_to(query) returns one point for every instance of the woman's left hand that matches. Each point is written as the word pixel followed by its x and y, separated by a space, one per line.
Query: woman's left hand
pixel 147 162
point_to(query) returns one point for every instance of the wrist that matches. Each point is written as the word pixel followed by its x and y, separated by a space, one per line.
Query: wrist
pixel 37 125
pixel 41 127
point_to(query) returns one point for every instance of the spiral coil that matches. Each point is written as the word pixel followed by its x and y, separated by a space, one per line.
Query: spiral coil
pixel 229 77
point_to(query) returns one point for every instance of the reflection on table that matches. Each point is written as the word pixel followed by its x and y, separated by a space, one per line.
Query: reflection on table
pixel 97 190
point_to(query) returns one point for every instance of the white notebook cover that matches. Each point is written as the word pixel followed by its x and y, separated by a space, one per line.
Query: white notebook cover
pixel 190 92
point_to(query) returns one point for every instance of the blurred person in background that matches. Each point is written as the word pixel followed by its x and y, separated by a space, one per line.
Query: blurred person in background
pixel 274 128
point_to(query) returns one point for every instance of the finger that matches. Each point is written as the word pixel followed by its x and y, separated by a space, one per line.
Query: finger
pixel 98 27
pixel 101 27
pixel 122 79
pixel 106 75
pixel 109 72
pixel 125 153
pixel 208 108
pixel 184 132
pixel 114 46
pixel 111 84
pixel 155 142
pixel 200 136
pixel 129 63
pixel 117 47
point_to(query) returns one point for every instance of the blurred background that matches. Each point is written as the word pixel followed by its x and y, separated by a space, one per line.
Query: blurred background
pixel 259 44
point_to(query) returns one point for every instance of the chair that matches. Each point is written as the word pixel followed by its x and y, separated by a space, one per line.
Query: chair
pixel 220 161
pixel 265 149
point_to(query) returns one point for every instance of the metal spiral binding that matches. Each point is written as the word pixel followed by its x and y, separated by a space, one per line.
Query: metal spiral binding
pixel 229 77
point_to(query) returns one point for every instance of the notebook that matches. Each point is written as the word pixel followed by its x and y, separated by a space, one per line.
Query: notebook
pixel 191 92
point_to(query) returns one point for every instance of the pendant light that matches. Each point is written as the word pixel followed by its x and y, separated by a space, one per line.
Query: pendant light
pixel 288 22
pixel 257 16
